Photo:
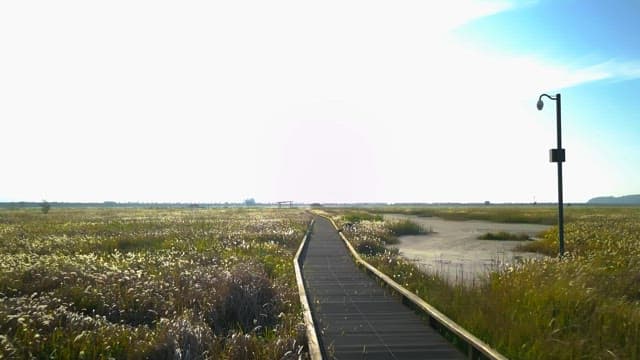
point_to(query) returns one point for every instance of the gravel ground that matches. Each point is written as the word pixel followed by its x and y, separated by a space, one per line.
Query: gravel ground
pixel 454 251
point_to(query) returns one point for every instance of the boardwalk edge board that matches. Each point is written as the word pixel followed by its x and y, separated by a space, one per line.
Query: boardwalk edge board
pixel 312 337
pixel 475 345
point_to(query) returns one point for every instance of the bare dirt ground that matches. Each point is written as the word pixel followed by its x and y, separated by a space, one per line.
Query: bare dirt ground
pixel 454 252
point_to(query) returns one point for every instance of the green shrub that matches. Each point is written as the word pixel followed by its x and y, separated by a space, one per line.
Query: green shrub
pixel 407 227
pixel 246 300
pixel 370 247
pixel 504 236
pixel 356 217
pixel 45 207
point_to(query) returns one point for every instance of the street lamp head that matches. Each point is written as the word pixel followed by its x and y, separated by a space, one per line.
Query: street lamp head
pixel 540 104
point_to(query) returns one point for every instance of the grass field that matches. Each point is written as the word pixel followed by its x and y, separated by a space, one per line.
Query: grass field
pixel 136 283
pixel 585 306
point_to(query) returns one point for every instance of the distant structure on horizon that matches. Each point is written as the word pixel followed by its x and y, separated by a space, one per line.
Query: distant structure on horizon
pixel 612 200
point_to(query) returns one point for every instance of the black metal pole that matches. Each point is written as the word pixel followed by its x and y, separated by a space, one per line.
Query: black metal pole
pixel 560 160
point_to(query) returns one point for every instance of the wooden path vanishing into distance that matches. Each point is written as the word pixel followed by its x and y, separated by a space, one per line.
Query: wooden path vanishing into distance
pixel 355 317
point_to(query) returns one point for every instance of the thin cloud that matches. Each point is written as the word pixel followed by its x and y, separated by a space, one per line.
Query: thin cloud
pixel 615 69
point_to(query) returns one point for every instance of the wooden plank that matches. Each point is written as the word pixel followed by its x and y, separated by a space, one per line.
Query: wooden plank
pixel 356 317
pixel 312 338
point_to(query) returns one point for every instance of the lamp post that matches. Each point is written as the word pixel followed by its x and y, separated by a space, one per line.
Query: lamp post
pixel 558 156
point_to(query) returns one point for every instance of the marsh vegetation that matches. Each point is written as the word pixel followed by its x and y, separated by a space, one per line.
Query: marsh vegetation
pixel 136 283
pixel 407 227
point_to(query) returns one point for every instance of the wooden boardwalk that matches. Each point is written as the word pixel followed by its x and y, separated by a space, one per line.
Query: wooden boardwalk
pixel 355 317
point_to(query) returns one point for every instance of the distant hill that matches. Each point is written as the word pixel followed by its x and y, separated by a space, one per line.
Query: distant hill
pixel 612 200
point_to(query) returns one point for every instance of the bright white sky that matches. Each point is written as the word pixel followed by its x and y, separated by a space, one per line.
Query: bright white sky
pixel 332 101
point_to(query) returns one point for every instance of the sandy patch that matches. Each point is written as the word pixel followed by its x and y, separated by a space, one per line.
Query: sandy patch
pixel 453 250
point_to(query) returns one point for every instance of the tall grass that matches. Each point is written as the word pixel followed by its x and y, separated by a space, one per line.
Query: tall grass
pixel 358 216
pixel 135 283
pixel 407 227
pixel 586 305
pixel 372 236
